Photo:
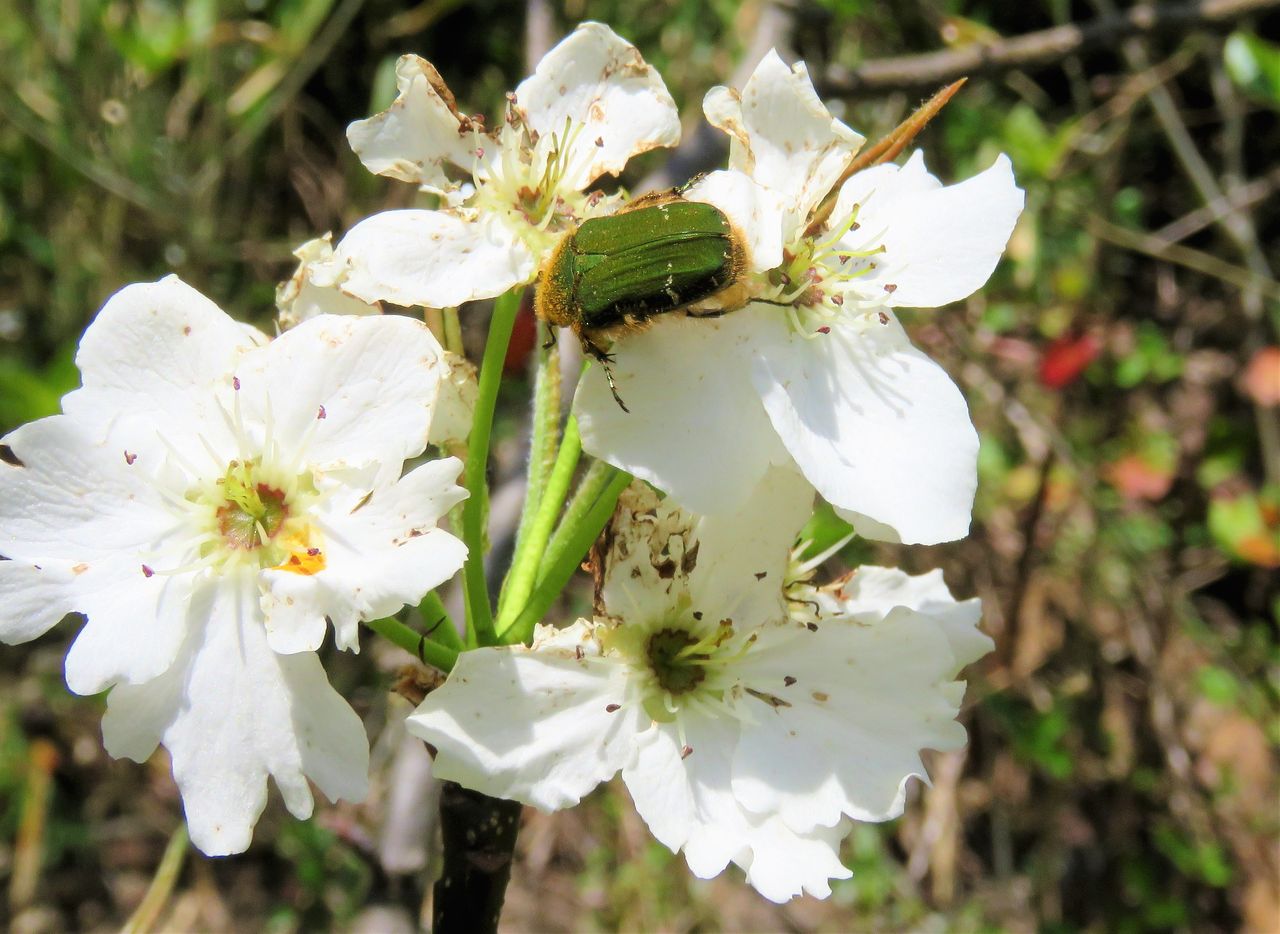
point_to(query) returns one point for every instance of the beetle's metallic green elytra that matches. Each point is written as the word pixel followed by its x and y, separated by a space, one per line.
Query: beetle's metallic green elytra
pixel 660 254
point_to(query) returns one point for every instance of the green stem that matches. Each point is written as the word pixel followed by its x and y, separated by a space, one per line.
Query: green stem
pixel 542 448
pixel 475 509
pixel 433 653
pixel 582 524
pixel 440 627
pixel 530 550
pixel 452 331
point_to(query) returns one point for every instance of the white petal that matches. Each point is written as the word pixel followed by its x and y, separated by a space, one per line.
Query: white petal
pixel 874 424
pixel 420 133
pixel 783 864
pixel 232 713
pixel 870 593
pixel 134 627
pixel 662 560
pixel 756 212
pixel 383 555
pixel 687 802
pixel 456 402
pixel 600 83
pixel 861 701
pixel 696 428
pixel 748 551
pixel 315 287
pixel 543 727
pixel 356 390
pixel 32 599
pixel 150 364
pixel 432 258
pixel 75 500
pixel 941 244
pixel 782 134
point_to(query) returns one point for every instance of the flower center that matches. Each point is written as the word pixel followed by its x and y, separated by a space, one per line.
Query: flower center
pixel 253 512
pixel 257 515
pixel 676 661
pixel 815 277
pixel 525 181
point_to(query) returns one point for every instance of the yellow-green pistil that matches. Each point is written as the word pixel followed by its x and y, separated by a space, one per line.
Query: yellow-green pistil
pixel 683 658
pixel 675 660
pixel 253 512
pixel 257 515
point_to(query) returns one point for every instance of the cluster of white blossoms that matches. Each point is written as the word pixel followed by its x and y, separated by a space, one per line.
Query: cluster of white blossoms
pixel 747 728
pixel 214 502
pixel 208 499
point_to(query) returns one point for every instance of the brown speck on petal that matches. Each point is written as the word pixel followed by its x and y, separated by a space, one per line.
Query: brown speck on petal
pixel 884 318
pixel 761 575
pixel 147 572
pixel 130 458
pixel 686 752
pixel 186 330
pixel 610 708
pixel 312 552
pixel 600 141
pixel 837 299
pixel 890 287
pixel 788 680
pixel 824 330
pixel 235 383
pixel 812 627
pixel 820 696
pixel 321 413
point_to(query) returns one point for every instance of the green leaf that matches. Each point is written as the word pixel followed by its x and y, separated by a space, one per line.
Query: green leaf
pixel 1254 65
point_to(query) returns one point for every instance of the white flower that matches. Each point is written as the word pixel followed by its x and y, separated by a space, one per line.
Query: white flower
pixel 207 500
pixel 742 734
pixel 591 104
pixel 831 382
pixel 314 288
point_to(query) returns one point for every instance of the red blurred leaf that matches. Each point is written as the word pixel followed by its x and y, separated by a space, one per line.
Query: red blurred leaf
pixel 1261 378
pixel 1066 358
pixel 524 334
pixel 1136 478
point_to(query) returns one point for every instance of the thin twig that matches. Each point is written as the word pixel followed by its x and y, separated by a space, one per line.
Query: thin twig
pixel 1179 255
pixel 1240 198
pixel 1046 47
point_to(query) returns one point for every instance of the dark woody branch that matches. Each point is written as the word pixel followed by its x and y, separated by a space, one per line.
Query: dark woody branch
pixel 926 72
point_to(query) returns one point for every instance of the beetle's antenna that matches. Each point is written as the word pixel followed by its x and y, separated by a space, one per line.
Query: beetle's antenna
pixel 604 359
pixel 608 375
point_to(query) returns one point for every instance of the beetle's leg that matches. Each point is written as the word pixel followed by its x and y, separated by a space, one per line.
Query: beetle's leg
pixel 604 359
pixel 552 337
pixel 422 638
pixel 710 313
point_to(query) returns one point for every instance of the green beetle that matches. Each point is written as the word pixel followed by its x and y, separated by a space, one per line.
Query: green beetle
pixel 660 254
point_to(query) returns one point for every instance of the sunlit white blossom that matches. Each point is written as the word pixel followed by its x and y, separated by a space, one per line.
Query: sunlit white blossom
pixel 314 288
pixel 591 104
pixel 748 729
pixel 208 501
pixel 824 377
